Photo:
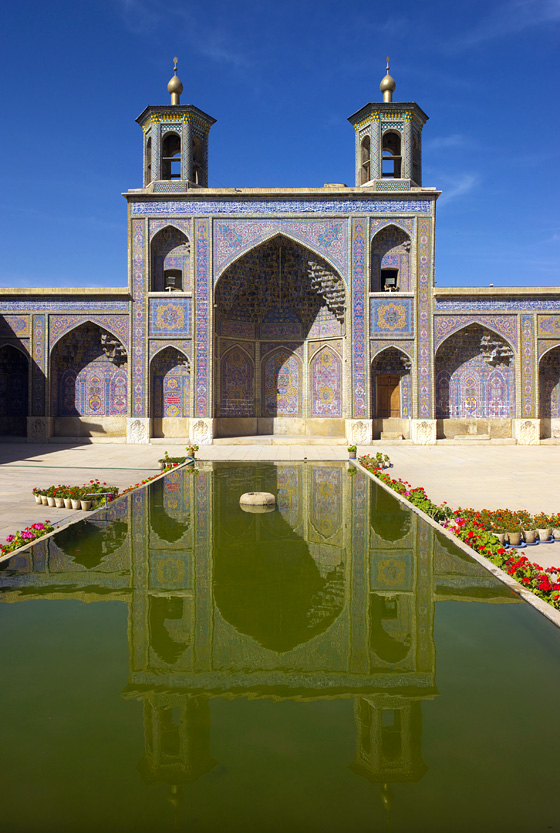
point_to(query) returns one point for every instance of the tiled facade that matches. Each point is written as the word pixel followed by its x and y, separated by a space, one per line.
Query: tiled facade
pixel 262 311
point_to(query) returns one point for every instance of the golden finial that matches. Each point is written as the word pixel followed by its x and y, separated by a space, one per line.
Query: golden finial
pixel 388 85
pixel 175 87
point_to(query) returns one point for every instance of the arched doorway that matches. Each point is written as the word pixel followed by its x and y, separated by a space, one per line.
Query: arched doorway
pixel 89 383
pixel 279 330
pixel 475 383
pixel 391 393
pixel 170 393
pixel 549 394
pixel 14 397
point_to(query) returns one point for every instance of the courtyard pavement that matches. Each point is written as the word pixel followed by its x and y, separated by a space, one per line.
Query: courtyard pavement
pixel 514 477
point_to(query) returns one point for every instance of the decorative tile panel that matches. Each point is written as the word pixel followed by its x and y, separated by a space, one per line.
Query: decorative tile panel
pixel 183 345
pixel 527 366
pixel 238 329
pixel 548 326
pixel 327 237
pixel 14 325
pixel 391 318
pixel 546 344
pixel 88 305
pixel 281 376
pixel 497 305
pixel 505 325
pixel 202 333
pixel 406 346
pixel 359 381
pixel 170 317
pixel 268 207
pixel 39 367
pixel 139 321
pixel 424 341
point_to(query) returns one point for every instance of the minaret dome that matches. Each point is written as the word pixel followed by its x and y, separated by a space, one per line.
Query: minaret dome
pixel 175 87
pixel 387 85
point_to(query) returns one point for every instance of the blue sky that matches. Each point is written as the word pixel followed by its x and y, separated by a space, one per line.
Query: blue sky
pixel 281 78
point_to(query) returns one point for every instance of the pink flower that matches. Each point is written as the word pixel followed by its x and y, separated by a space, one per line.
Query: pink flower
pixel 9 539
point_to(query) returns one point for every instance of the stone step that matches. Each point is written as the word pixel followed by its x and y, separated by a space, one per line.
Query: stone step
pixel 280 439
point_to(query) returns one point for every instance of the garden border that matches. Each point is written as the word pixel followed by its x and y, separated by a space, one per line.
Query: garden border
pixel 543 607
pixel 90 513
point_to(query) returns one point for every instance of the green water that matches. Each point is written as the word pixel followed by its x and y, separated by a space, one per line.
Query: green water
pixel 335 665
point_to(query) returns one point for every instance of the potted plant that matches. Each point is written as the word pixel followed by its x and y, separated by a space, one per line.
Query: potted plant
pixel 352 449
pixel 75 497
pixel 543 526
pixel 191 451
pixel 515 535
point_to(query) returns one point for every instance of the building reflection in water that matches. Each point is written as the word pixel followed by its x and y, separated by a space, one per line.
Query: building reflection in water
pixel 330 595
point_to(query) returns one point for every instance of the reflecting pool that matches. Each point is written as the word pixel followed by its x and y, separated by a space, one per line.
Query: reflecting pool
pixel 177 663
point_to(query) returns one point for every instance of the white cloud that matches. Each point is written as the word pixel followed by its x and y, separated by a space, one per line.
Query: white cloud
pixel 510 18
pixel 454 140
pixel 459 185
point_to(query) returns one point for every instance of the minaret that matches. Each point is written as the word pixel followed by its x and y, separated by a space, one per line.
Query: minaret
pixel 175 142
pixel 388 141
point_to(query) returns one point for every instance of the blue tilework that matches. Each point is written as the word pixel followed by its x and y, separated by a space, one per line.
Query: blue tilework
pixel 198 207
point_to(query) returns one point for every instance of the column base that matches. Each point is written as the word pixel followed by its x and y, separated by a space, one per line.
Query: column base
pixel 202 431
pixel 527 431
pixel 359 431
pixel 423 431
pixel 138 430
pixel 39 429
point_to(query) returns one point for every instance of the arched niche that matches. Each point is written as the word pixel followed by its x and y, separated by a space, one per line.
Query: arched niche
pixel 326 384
pixel 390 260
pixel 268 303
pixel 475 382
pixel 391 154
pixel 170 261
pixel 170 393
pixel 89 383
pixel 14 391
pixel 237 371
pixel 549 393
pixel 281 383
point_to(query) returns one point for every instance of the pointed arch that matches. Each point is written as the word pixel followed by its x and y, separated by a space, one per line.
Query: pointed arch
pixel 89 373
pixel 390 259
pixel 549 387
pixel 237 383
pixel 281 383
pixel 475 375
pixel 170 255
pixel 268 236
pixel 390 383
pixel 170 380
pixel 326 384
pixel 72 323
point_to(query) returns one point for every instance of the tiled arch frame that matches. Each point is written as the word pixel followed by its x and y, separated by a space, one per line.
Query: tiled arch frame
pixel 544 348
pixel 504 326
pixel 299 240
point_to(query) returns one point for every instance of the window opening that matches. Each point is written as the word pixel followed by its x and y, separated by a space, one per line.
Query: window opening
pixel 389 280
pixel 172 279
pixel 365 161
pixel 391 155
pixel 171 157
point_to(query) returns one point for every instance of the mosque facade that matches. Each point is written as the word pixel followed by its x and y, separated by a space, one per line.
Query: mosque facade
pixel 304 312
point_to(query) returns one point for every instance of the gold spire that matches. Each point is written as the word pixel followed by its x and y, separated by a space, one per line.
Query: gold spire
pixel 388 85
pixel 175 87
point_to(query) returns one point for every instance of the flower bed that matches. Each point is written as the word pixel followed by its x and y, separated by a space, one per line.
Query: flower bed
pixel 477 528
pixel 25 536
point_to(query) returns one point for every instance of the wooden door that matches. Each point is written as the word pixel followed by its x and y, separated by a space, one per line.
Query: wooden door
pixel 388 396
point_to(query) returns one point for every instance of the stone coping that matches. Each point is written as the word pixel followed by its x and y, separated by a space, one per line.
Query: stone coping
pixel 539 604
pixel 86 514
